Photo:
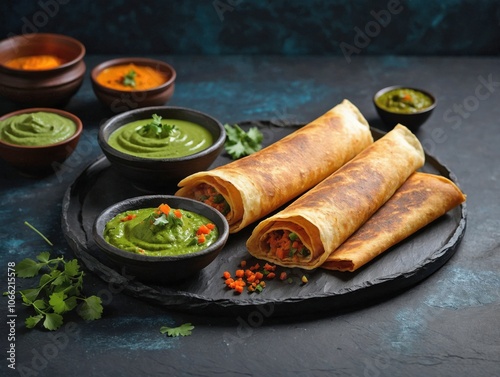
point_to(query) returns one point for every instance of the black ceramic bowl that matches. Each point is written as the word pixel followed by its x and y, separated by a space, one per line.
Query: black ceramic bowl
pixel 151 174
pixel 162 269
pixel 414 120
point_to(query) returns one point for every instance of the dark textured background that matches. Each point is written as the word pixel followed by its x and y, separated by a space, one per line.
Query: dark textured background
pixel 293 27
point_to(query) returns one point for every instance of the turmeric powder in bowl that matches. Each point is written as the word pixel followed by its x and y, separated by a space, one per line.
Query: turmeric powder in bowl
pixel 129 77
pixel 34 62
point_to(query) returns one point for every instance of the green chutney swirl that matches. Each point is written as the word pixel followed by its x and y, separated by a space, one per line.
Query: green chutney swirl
pixel 148 232
pixel 36 129
pixel 185 139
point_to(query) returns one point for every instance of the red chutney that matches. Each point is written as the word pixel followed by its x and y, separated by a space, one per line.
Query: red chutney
pixel 131 77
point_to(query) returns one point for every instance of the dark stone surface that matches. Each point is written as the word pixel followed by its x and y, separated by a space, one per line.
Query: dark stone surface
pixel 446 325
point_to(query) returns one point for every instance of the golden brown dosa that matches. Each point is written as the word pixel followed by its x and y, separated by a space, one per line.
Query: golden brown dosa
pixel 420 200
pixel 329 213
pixel 260 183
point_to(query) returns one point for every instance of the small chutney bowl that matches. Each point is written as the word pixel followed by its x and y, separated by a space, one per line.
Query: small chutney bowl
pixel 413 120
pixel 128 98
pixel 160 269
pixel 150 174
pixel 41 87
pixel 40 160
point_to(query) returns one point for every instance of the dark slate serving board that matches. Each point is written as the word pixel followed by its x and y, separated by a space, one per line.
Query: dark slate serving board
pixel 398 269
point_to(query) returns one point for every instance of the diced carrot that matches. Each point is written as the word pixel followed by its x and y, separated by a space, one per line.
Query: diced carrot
pixel 256 266
pixel 270 275
pixel 251 278
pixel 240 273
pixel 259 275
pixel 243 263
pixel 164 208
pixel 201 238
pixel 283 275
pixel 226 274
pixel 203 230
pixel 239 289
pixel 269 267
pixel 210 226
pixel 178 213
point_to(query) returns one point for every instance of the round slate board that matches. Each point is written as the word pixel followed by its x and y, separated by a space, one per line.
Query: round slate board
pixel 397 269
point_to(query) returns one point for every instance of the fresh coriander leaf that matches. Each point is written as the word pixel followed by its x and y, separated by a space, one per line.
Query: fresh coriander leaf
pixel 161 220
pixel 56 301
pixel 29 295
pixel 28 268
pixel 129 78
pixel 240 143
pixel 156 128
pixel 43 257
pixel 52 321
pixel 183 330
pixel 72 268
pixel 236 150
pixel 255 135
pixel 40 304
pixel 91 308
pixel 32 321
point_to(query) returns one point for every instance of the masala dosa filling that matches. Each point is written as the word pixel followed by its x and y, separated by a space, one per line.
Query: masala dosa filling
pixel 285 244
pixel 209 195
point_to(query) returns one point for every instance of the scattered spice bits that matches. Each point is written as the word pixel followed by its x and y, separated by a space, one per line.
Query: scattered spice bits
pixel 129 217
pixel 254 277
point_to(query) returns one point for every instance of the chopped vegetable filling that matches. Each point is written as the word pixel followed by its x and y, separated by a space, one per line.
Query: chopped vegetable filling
pixel 209 195
pixel 286 244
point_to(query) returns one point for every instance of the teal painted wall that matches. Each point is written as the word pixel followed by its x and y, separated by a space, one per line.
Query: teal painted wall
pixel 294 27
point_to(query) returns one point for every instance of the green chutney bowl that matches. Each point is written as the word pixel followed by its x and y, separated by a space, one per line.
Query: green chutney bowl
pixel 413 120
pixel 160 269
pixel 159 174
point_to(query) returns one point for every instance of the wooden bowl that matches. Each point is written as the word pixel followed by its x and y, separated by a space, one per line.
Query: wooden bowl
pixel 37 161
pixel 124 100
pixel 47 87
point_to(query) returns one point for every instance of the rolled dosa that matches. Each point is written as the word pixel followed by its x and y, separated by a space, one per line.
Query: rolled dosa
pixel 324 217
pixel 247 189
pixel 420 200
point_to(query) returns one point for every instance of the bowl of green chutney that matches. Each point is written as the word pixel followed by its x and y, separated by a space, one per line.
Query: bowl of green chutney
pixel 404 105
pixel 37 141
pixel 155 147
pixel 160 238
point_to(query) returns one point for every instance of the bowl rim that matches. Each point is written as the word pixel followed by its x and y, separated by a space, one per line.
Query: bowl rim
pixel 393 87
pixel 63 113
pixel 31 38
pixel 132 203
pixel 103 142
pixel 134 59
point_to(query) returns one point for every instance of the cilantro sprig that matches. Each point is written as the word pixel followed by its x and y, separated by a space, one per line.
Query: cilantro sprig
pixel 59 291
pixel 183 330
pixel 156 129
pixel 129 78
pixel 240 143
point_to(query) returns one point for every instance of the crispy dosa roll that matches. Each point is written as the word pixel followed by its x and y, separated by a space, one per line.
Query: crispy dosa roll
pixel 247 189
pixel 306 232
pixel 420 200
